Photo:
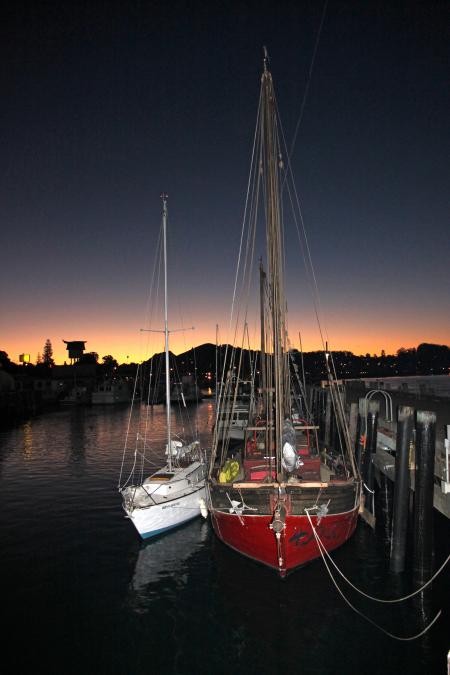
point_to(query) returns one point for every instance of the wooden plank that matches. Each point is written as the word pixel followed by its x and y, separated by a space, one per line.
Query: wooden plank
pixel 300 484
pixel 265 428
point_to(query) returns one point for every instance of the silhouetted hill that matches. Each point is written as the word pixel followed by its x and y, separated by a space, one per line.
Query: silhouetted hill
pixel 202 360
pixel 426 359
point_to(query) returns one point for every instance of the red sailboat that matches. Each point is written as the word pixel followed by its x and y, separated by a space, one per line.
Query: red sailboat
pixel 267 492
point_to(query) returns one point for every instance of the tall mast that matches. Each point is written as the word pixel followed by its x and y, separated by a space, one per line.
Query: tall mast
pixel 166 332
pixel 217 370
pixel 271 162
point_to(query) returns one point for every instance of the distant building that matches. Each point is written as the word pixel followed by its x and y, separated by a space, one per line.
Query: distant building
pixel 75 349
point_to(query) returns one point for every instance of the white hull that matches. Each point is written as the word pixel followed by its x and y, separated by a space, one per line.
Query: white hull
pixel 157 506
pixel 159 518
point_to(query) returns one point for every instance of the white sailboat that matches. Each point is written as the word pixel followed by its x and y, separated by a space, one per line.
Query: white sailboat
pixel 175 493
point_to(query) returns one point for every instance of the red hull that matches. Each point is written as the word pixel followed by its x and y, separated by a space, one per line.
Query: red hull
pixel 252 536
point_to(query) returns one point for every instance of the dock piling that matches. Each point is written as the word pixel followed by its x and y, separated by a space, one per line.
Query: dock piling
pixel 328 430
pixel 424 489
pixel 370 450
pixel 405 422
pixel 360 427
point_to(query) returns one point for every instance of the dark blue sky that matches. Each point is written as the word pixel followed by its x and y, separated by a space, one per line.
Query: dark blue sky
pixel 105 104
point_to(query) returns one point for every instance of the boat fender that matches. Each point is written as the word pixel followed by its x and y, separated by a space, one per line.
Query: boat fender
pixel 203 508
pixel 290 460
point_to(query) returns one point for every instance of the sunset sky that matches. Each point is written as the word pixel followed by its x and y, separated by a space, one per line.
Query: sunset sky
pixel 106 104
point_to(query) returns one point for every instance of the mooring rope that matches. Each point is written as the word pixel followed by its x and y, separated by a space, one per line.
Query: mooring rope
pixel 323 550
pixel 371 597
pixel 372 492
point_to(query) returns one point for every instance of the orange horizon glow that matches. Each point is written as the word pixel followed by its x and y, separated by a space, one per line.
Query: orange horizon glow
pixel 140 347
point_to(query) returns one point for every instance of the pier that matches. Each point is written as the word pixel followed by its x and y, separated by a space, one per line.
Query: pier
pixel 430 393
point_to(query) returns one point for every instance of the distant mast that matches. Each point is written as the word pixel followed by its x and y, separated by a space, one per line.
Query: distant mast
pixel 164 198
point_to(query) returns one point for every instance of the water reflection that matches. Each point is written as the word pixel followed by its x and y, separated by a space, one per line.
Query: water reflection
pixel 77 438
pixel 27 440
pixel 166 559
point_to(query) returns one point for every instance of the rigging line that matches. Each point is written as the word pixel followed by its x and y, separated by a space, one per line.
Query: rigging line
pixel 247 272
pixel 197 390
pixel 252 182
pixel 152 307
pixel 230 411
pixel 147 409
pixel 155 266
pixel 309 268
pixel 146 418
pixel 184 411
pixel 244 218
pixel 316 302
pixel 336 399
pixel 251 257
pixel 250 226
pixel 395 637
pixel 308 82
pixel 156 271
pixel 304 246
pixel 303 370
pixel 371 597
pixel 127 432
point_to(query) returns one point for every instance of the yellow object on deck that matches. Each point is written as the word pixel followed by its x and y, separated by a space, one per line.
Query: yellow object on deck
pixel 229 471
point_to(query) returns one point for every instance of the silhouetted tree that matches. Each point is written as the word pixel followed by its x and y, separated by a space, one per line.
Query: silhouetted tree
pixel 47 355
pixel 433 359
pixel 406 361
pixel 109 362
pixel 5 360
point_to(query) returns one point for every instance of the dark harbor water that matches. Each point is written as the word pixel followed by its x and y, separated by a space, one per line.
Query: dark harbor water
pixel 82 595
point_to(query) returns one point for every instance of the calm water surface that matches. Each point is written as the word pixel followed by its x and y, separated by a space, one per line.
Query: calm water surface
pixel 84 596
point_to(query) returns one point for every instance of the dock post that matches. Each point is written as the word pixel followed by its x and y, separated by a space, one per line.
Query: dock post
pixel 405 422
pixel 312 402
pixel 320 413
pixel 360 426
pixel 327 438
pixel 424 495
pixel 371 448
pixel 353 423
